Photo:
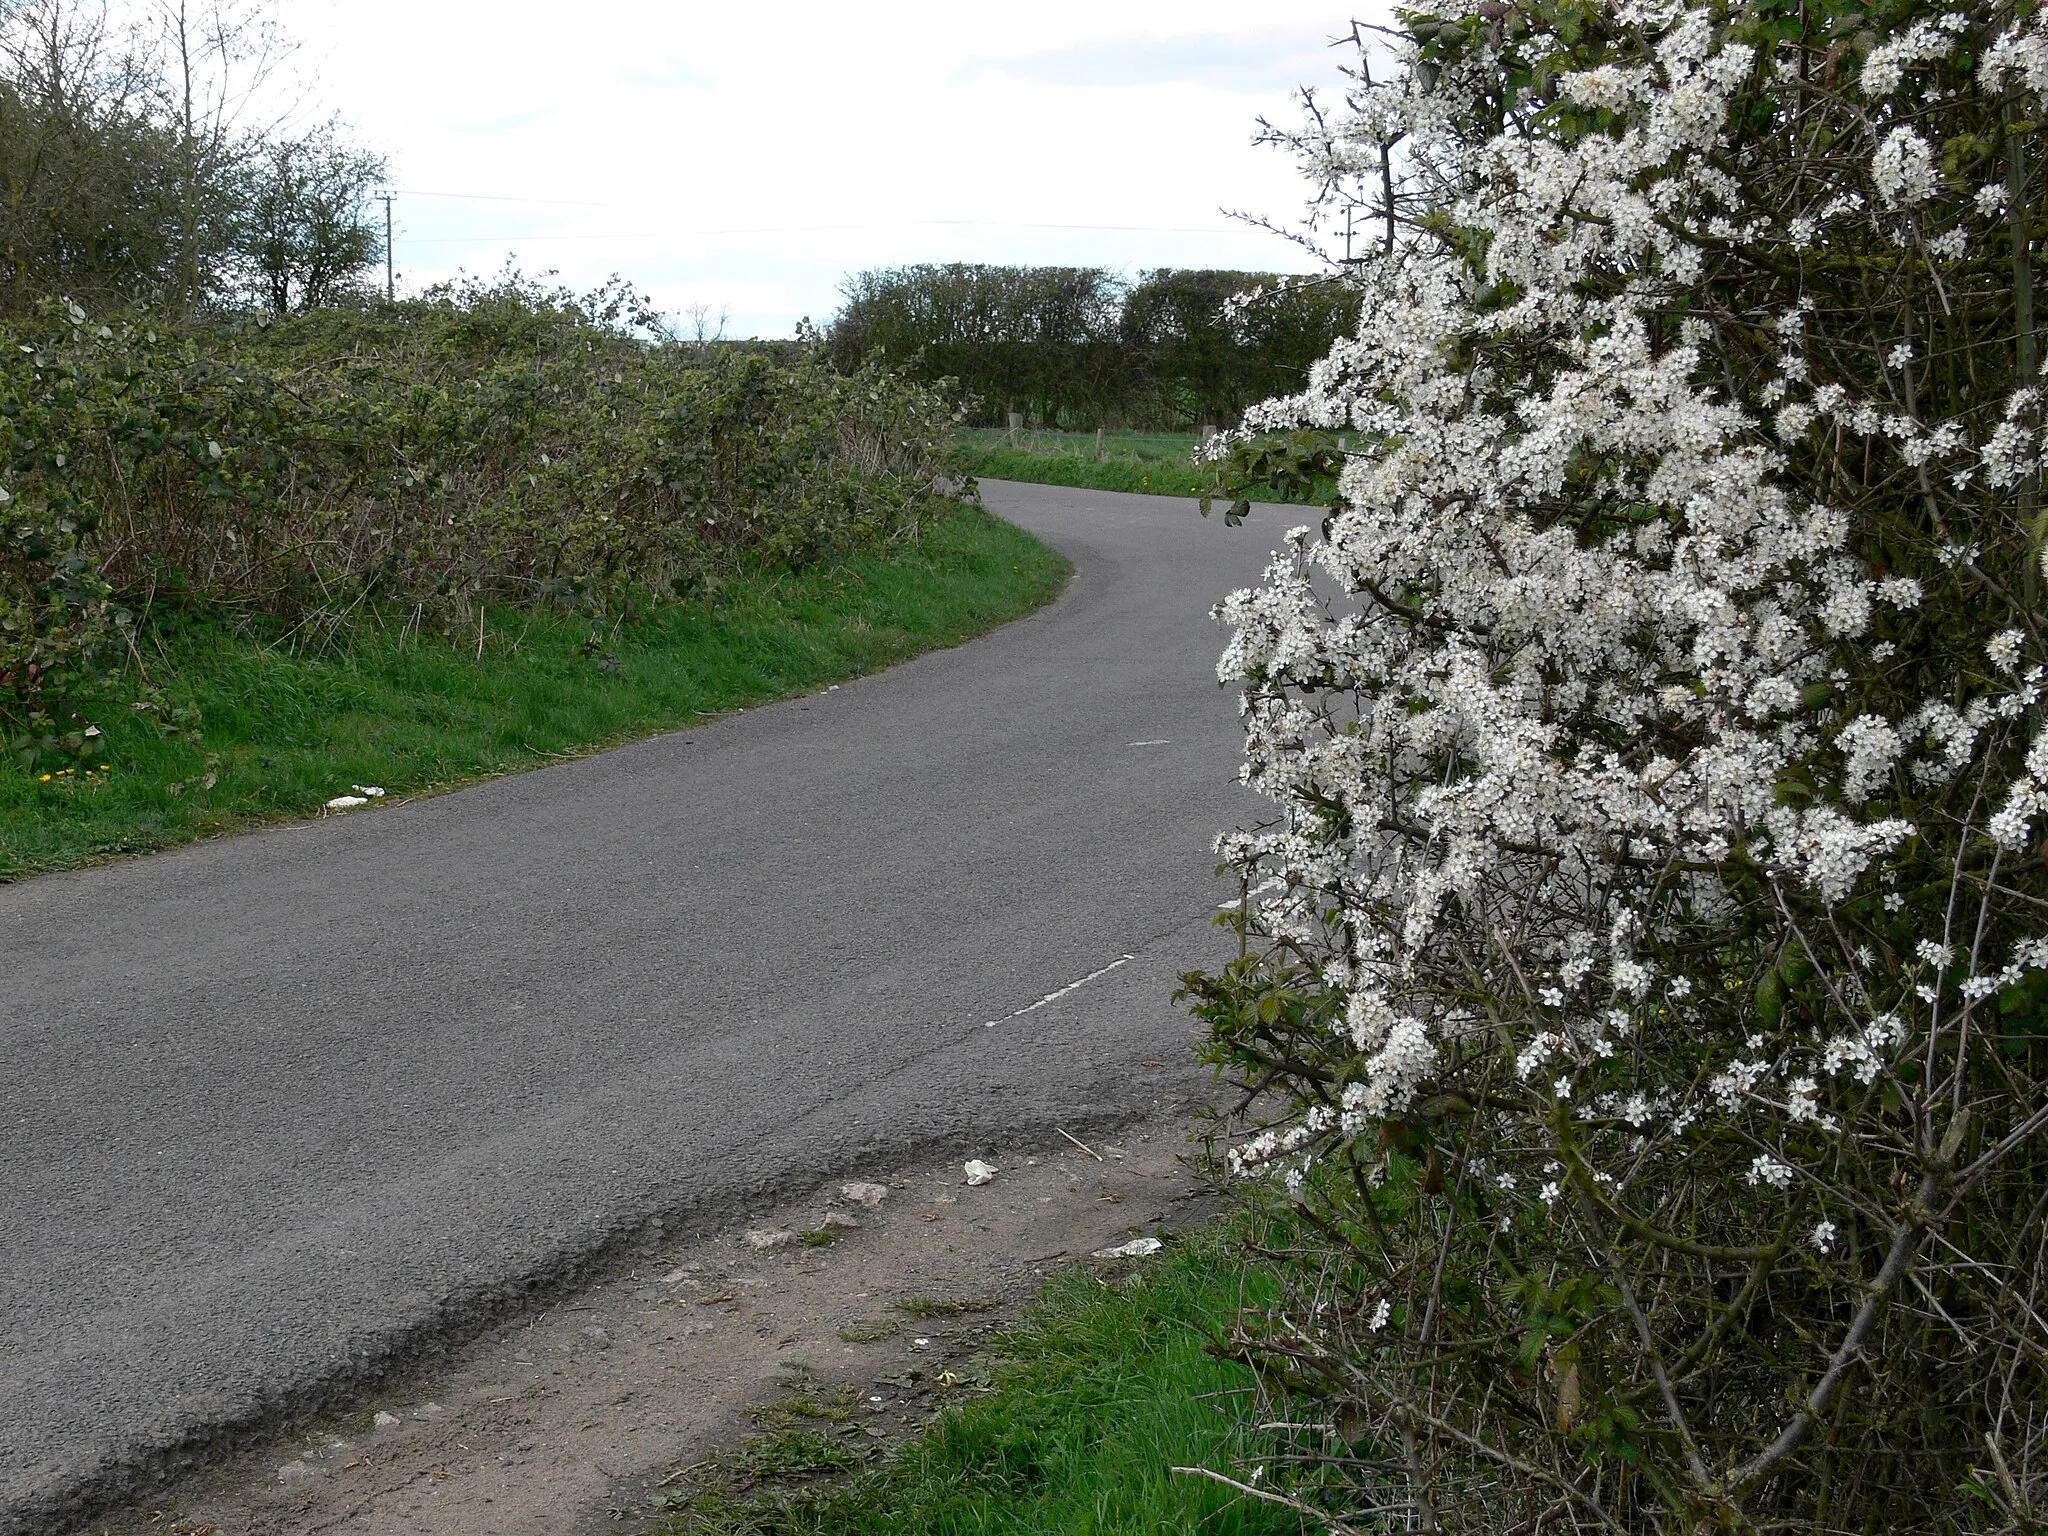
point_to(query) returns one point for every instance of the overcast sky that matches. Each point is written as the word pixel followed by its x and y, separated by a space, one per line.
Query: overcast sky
pixel 746 156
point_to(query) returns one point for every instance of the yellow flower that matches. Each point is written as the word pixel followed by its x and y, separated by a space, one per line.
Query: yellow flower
pixel 45 779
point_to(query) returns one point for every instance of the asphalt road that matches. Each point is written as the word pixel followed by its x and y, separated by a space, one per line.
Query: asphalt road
pixel 280 1108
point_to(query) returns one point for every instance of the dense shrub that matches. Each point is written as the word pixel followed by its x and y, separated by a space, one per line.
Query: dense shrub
pixel 1645 969
pixel 58 625
pixel 496 443
pixel 1081 347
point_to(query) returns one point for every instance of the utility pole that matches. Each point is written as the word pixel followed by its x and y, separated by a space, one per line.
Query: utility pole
pixel 1351 263
pixel 390 287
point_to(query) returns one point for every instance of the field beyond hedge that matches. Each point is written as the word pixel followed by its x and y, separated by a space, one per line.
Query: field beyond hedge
pixel 1147 463
pixel 262 732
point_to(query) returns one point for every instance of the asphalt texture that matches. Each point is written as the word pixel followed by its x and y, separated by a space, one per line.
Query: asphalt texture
pixel 281 1109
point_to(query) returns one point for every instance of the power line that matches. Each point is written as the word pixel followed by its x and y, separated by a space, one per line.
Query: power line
pixel 488 197
pixel 1141 229
pixel 813 229
pixel 775 229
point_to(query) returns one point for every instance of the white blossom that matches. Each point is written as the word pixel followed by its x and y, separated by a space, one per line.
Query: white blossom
pixel 1950 244
pixel 1587 653
pixel 2016 59
pixel 1922 43
pixel 1869 748
pixel 1767 1169
pixel 1903 169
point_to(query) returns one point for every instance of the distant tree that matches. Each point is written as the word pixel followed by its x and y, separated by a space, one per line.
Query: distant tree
pixel 135 165
pixel 86 202
pixel 1082 347
pixel 1210 343
pixel 1041 341
pixel 306 234
pixel 209 60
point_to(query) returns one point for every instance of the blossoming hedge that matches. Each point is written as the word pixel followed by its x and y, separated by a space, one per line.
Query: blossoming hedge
pixel 1645 971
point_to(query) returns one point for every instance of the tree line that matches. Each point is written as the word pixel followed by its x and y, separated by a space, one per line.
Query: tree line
pixel 1084 347
pixel 137 164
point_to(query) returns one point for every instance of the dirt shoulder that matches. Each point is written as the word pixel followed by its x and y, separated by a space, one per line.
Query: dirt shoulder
pixel 571 1418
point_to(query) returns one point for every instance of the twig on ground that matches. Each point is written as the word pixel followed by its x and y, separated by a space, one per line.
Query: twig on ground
pixel 1271 1498
pixel 1077 1141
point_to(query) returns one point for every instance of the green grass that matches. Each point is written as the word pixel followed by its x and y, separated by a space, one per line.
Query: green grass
pixel 1149 463
pixel 1155 463
pixel 1106 1386
pixel 281 733
pixel 1138 447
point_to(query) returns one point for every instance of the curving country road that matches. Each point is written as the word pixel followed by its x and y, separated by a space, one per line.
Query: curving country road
pixel 274 1110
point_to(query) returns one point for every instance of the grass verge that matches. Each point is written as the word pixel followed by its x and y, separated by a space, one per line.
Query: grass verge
pixel 1106 1386
pixel 1151 463
pixel 254 731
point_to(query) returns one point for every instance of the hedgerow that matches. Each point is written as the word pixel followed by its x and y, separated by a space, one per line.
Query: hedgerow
pixel 1645 968
pixel 1081 347
pixel 490 444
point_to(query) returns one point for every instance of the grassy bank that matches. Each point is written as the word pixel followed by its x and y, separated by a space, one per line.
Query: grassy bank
pixel 1106 1387
pixel 250 731
pixel 1148 463
pixel 1152 463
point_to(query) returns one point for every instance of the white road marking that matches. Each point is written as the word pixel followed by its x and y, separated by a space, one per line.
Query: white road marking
pixel 1163 741
pixel 1053 997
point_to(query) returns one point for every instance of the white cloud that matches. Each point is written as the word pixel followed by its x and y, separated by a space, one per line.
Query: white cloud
pixel 748 156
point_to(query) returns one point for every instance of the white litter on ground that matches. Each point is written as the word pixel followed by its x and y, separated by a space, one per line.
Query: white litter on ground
pixel 1136 1248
